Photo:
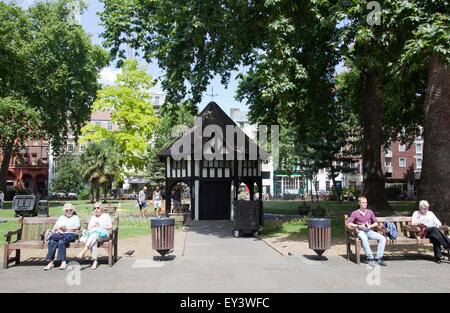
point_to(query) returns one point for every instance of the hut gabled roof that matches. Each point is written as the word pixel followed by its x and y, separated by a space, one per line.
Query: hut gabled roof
pixel 212 114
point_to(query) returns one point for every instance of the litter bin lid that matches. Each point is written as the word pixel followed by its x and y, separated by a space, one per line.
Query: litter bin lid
pixel 319 222
pixel 165 221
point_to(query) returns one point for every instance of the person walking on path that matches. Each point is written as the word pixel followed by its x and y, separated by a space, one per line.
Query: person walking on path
pixel 142 199
pixel 364 220
pixel 157 202
pixel 2 197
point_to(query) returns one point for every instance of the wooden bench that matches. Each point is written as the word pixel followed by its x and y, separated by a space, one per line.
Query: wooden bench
pixel 30 235
pixel 109 208
pixel 407 235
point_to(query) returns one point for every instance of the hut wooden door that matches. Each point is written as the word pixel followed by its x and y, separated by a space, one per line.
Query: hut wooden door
pixel 215 200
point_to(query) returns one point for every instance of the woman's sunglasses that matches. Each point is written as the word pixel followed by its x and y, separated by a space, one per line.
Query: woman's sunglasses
pixel 69 210
pixel 96 207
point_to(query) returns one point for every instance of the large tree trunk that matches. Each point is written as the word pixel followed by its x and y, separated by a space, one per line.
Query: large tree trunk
pixel 372 172
pixel 434 184
pixel 7 153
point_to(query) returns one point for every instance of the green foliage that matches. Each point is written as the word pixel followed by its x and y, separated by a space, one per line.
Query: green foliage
pixel 83 194
pixel 173 120
pixel 132 112
pixel 67 174
pixel 17 121
pixel 99 165
pixel 51 64
pixel 10 194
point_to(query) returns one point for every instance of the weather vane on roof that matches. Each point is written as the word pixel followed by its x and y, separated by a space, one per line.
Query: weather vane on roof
pixel 212 95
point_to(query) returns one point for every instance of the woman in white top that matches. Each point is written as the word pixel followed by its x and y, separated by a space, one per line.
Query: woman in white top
pixel 157 202
pixel 428 219
pixel 99 227
pixel 64 232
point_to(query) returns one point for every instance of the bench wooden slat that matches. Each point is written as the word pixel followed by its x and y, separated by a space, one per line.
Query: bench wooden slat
pixel 33 240
pixel 406 235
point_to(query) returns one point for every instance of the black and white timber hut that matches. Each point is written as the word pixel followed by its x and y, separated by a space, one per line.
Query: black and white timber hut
pixel 206 167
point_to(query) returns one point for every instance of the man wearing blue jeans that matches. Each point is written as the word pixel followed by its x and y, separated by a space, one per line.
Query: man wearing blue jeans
pixel 364 221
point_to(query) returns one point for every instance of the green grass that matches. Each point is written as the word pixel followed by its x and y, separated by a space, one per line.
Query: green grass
pixel 129 225
pixel 296 228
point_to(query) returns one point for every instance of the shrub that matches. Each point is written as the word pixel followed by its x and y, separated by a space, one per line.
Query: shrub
pixel 83 194
pixel 14 192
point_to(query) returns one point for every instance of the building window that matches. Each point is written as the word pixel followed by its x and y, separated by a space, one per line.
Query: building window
pixel 316 185
pixel 109 125
pixel 265 175
pixel 34 159
pixel 419 148
pixel 419 163
pixel 387 162
pixel 401 147
pixel 327 186
pixel 180 164
pixel 70 146
pixel 402 162
pixel 290 183
pixel 353 183
pixel 157 100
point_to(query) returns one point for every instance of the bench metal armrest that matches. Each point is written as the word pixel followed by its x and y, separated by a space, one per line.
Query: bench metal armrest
pixel 9 234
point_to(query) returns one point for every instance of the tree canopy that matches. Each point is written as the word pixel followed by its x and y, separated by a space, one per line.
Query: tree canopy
pixel 131 111
pixel 50 66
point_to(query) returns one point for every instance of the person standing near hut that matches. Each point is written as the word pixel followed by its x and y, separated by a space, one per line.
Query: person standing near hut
pixel 176 196
pixel 142 199
pixel 157 202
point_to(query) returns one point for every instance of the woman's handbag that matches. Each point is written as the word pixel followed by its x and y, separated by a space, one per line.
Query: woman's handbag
pixel 84 236
pixel 48 234
pixel 422 231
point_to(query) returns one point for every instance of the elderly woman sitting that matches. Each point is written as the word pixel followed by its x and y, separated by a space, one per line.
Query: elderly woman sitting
pixel 64 232
pixel 426 218
pixel 99 227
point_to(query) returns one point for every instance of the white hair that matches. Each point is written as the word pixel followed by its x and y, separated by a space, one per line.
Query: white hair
pixel 423 203
pixel 68 205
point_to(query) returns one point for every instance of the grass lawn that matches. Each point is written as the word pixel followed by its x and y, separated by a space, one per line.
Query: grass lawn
pixel 131 226
pixel 129 223
pixel 296 228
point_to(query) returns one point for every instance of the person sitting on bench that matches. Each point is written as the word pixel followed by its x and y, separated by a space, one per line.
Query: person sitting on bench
pixel 428 220
pixel 364 221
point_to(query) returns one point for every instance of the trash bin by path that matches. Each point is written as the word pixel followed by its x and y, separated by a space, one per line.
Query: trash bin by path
pixel 163 234
pixel 319 234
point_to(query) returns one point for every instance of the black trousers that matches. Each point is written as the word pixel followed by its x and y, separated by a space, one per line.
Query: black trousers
pixel 438 239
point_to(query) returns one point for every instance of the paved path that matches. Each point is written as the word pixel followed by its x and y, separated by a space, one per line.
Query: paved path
pixel 214 261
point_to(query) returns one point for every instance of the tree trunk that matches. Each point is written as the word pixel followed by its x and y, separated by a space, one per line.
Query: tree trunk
pixel 333 179
pixel 372 172
pixel 7 153
pixel 435 176
pixel 91 192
